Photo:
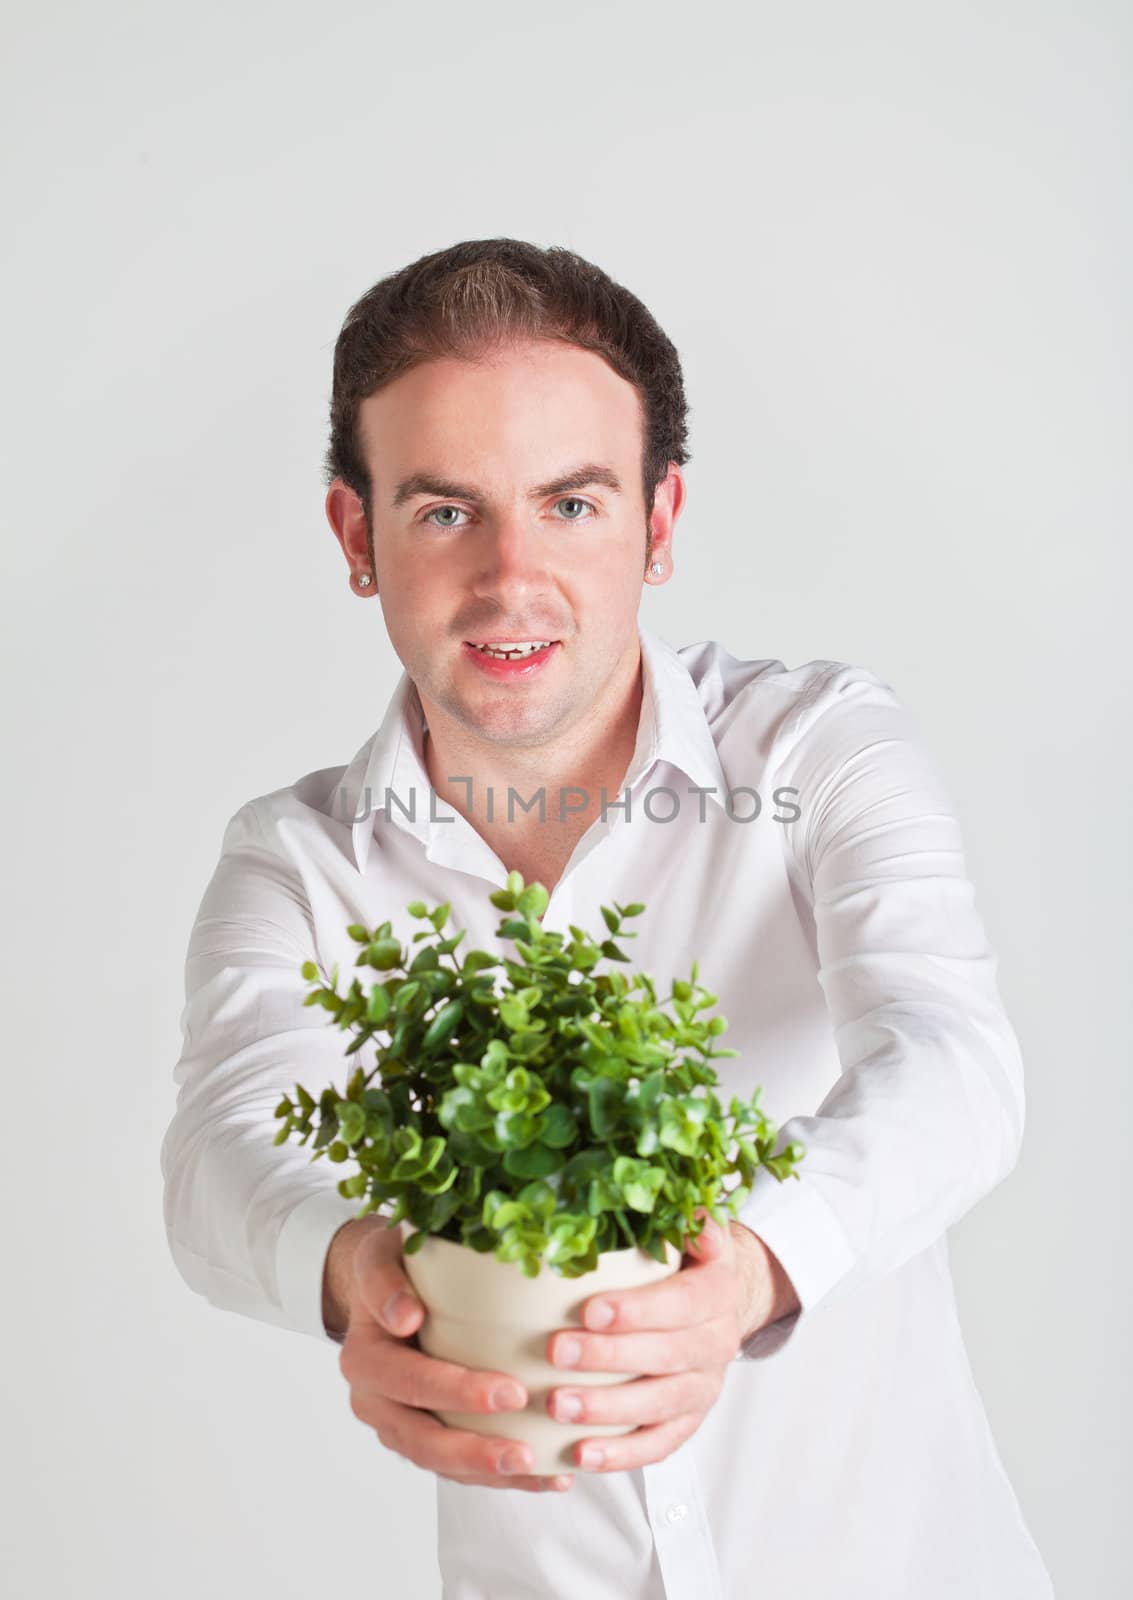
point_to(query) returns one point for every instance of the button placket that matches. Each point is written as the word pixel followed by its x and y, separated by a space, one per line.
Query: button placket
pixel 681 1534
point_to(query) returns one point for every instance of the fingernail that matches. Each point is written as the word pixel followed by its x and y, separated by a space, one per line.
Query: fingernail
pixel 567 1352
pixel 568 1407
pixel 600 1314
pixel 515 1461
pixel 507 1397
pixel 593 1455
pixel 397 1307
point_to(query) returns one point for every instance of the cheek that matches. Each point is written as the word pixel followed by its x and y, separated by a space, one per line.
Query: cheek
pixel 417 589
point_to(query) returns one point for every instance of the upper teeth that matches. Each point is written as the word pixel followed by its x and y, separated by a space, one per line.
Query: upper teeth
pixel 513 649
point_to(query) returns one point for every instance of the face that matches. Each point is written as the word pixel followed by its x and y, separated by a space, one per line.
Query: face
pixel 477 538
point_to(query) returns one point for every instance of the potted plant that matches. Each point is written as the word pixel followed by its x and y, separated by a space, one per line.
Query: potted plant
pixel 566 1122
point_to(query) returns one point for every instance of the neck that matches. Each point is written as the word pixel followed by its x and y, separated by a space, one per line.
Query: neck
pixel 475 777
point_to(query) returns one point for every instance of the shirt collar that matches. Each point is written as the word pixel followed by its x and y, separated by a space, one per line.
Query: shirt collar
pixel 672 727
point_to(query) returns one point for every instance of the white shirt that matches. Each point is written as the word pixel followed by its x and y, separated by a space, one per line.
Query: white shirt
pixel 848 1456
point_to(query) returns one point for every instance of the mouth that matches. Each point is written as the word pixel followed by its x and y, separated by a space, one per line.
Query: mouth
pixel 510 646
pixel 510 657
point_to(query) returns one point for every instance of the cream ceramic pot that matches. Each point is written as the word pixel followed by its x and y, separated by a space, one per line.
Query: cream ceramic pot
pixel 485 1313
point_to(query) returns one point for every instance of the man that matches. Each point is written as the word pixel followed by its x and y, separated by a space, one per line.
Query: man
pixel 507 438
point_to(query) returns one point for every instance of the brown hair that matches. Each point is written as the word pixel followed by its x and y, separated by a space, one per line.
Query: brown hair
pixel 481 294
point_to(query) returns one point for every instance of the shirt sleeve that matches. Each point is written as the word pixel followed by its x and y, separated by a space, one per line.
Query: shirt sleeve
pixel 248 1221
pixel 927 1113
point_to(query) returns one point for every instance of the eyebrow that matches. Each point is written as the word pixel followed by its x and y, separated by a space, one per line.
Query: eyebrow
pixel 581 477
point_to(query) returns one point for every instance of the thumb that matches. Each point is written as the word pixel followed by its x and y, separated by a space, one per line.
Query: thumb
pixel 712 1242
pixel 382 1286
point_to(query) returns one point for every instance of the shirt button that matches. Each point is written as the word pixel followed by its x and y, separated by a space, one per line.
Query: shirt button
pixel 676 1512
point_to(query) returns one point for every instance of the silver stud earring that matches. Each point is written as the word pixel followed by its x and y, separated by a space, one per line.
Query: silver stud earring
pixel 364 580
pixel 656 569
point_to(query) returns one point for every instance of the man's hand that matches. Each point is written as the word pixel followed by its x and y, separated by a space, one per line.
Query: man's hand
pixel 394 1385
pixel 686 1329
pixel 766 1291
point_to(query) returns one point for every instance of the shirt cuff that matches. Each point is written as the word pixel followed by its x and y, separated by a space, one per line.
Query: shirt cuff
pixel 802 1232
pixel 300 1257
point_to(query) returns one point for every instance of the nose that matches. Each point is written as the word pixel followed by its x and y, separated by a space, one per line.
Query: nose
pixel 512 560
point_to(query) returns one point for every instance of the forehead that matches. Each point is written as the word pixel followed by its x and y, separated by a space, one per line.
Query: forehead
pixel 541 406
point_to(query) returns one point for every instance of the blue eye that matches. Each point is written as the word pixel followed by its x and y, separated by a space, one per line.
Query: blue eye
pixel 433 513
pixel 566 500
pixel 573 497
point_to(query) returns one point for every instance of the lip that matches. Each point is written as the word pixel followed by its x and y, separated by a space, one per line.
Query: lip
pixel 522 668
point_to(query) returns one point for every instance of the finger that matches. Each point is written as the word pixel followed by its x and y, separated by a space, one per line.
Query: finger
pixel 636 1449
pixel 373 1363
pixel 713 1243
pixel 639 1402
pixel 708 1344
pixel 435 1447
pixel 383 1292
pixel 695 1294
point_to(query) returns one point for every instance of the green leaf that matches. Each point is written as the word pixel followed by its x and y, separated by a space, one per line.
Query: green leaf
pixel 384 954
pixel 648 1140
pixel 477 960
pixel 443 1026
pixel 495 1057
pixel 605 1096
pixel 539 1197
pixel 378 1005
pixel 536 1161
pixel 603 1196
pixel 506 1213
pixel 351 1121
pixel 431 1152
pixel 642 1191
pixel 557 1126
pixel 534 900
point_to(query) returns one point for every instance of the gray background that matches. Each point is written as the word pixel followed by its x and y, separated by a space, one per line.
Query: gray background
pixel 892 244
